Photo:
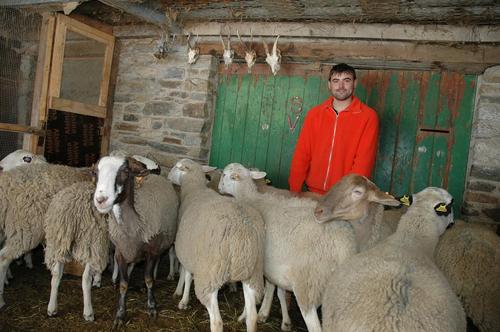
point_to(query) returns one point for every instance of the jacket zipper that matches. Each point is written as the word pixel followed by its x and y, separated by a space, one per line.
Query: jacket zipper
pixel 331 150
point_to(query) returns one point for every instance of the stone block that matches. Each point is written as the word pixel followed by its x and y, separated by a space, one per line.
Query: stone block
pixel 130 117
pixel 174 73
pixel 156 125
pixel 489 99
pixel 133 140
pixel 486 173
pixel 186 124
pixel 486 154
pixel 490 90
pixel 480 198
pixel 492 75
pixel 171 84
pixel 125 126
pixel 161 108
pixel 133 108
pixel 469 209
pixel 172 140
pixel 178 94
pixel 170 148
pixel 194 110
pixel 481 186
pixel 493 213
pixel 488 120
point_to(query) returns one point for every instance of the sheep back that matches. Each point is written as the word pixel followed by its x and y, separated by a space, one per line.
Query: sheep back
pixel 469 256
pixel 25 194
pixel 75 230
pixel 220 241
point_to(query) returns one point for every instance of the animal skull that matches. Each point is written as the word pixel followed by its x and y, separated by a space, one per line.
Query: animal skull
pixel 273 59
pixel 250 54
pixel 163 46
pixel 228 54
pixel 193 51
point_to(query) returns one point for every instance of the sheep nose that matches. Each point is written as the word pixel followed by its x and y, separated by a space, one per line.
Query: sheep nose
pixel 318 212
pixel 101 199
pixel 1 168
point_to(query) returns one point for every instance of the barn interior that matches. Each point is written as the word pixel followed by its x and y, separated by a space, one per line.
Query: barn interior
pixel 79 79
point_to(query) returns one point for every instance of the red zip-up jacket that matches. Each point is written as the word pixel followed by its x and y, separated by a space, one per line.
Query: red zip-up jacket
pixel 331 146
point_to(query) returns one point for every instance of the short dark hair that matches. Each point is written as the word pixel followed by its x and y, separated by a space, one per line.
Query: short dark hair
pixel 342 68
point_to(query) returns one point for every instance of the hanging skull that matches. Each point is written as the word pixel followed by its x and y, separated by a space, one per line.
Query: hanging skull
pixel 193 51
pixel 228 54
pixel 273 59
pixel 250 54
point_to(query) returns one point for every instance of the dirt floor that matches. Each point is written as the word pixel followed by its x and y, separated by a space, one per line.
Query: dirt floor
pixel 27 296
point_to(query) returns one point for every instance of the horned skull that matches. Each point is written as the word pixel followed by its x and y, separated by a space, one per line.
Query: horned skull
pixel 250 54
pixel 163 46
pixel 228 54
pixel 273 59
pixel 193 51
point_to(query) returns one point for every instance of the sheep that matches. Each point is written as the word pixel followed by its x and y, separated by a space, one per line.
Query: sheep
pixel 19 158
pixel 395 286
pixel 469 257
pixel 218 241
pixel 144 208
pixel 295 241
pixel 75 231
pixel 25 194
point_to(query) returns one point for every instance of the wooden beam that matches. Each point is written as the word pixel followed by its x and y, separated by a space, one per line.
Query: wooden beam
pixel 70 106
pixel 17 128
pixel 145 13
pixel 25 3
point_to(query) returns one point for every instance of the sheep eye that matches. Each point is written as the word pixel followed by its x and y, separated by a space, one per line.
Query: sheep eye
pixel 27 159
pixel 235 177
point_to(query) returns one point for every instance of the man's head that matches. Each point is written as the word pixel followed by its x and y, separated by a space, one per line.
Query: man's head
pixel 342 81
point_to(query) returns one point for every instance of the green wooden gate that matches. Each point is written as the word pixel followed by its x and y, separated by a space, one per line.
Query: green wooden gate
pixel 425 124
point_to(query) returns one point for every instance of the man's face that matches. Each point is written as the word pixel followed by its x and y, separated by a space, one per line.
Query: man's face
pixel 342 85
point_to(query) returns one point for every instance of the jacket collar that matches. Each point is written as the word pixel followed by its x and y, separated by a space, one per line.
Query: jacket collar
pixel 354 106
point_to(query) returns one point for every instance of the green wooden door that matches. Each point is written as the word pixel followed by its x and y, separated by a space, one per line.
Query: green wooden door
pixel 425 123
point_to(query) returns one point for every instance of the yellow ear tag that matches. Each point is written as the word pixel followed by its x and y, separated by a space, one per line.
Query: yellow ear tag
pixel 405 200
pixel 139 180
pixel 442 208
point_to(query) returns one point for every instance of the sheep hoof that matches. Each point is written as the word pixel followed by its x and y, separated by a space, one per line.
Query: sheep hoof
pixel 286 326
pixel 118 323
pixel 261 318
pixel 242 317
pixel 88 318
pixel 152 313
pixel 96 284
pixel 176 294
pixel 51 313
pixel 29 266
pixel 170 277
pixel 182 306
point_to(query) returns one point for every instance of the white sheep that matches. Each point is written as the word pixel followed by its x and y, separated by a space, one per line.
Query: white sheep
pixel 300 253
pixel 19 158
pixel 395 286
pixel 75 231
pixel 144 223
pixel 218 241
pixel 25 194
pixel 469 257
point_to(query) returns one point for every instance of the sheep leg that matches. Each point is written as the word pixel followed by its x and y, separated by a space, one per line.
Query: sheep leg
pixel 4 265
pixel 28 260
pixel 233 287
pixel 121 313
pixel 265 307
pixel 114 277
pixel 88 311
pixel 180 283
pixel 311 319
pixel 188 278
pixel 155 271
pixel 286 323
pixel 213 312
pixel 97 280
pixel 171 258
pixel 250 308
pixel 151 262
pixel 57 273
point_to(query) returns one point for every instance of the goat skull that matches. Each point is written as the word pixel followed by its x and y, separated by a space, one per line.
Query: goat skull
pixel 273 59
pixel 250 54
pixel 228 54
pixel 193 51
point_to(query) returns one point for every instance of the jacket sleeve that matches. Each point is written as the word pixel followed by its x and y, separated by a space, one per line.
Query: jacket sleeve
pixel 301 158
pixel 367 148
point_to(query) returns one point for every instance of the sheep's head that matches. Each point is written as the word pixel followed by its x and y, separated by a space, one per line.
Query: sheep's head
pixel 193 50
pixel 19 158
pixel 250 54
pixel 233 175
pixel 185 166
pixel 113 175
pixel 228 53
pixel 349 199
pixel 436 200
pixel 273 59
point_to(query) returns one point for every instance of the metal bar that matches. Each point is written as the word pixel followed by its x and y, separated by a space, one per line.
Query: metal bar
pixel 147 14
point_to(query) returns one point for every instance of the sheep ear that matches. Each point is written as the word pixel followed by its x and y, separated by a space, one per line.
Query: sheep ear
pixel 383 198
pixel 208 168
pixel 256 175
pixel 136 167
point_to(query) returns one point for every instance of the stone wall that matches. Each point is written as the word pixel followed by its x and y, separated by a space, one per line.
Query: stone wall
pixel 482 196
pixel 163 108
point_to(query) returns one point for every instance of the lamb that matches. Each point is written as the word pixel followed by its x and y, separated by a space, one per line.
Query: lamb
pixel 75 231
pixel 144 208
pixel 20 226
pixel 218 241
pixel 395 286
pixel 469 257
pixel 295 241
pixel 19 158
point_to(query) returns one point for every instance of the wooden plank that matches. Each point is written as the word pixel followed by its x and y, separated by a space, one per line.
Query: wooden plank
pixel 439 158
pixel 462 124
pixel 252 129
pixel 264 123
pixel 240 119
pixel 71 106
pixel 226 138
pixel 57 57
pixel 218 118
pixel 422 161
pixel 93 23
pixel 86 30
pixel 17 128
pixel 408 125
pixel 278 125
pixel 106 72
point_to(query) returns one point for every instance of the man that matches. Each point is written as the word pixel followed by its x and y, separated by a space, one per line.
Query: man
pixel 338 137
